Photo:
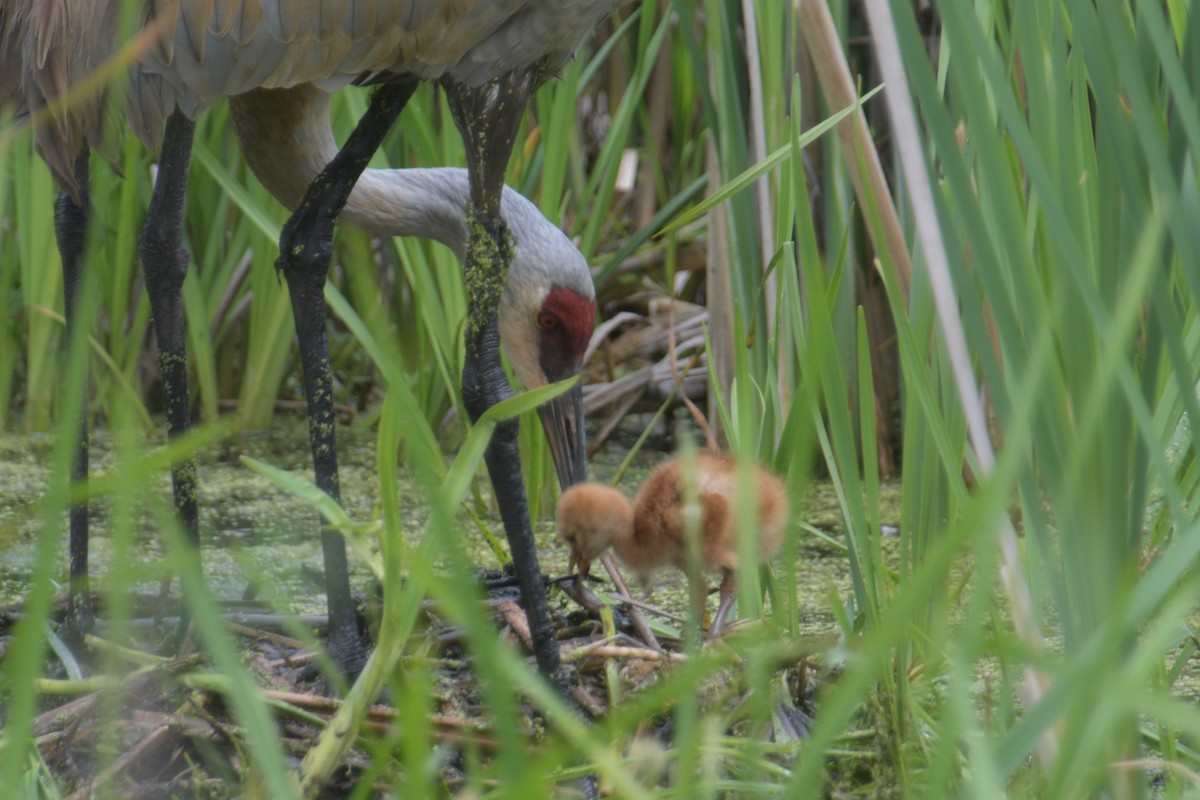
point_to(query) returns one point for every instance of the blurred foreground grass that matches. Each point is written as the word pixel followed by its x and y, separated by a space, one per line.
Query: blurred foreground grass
pixel 1031 634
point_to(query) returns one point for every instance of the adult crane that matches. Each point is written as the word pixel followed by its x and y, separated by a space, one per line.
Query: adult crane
pixel 489 55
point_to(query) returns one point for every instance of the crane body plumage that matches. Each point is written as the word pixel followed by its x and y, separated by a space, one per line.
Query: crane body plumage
pixel 197 51
pixel 275 60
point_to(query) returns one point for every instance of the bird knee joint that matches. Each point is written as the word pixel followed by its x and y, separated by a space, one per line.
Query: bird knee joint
pixel 305 259
pixel 474 400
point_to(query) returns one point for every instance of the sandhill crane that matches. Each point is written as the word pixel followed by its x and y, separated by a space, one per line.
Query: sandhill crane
pixel 649 533
pixel 489 55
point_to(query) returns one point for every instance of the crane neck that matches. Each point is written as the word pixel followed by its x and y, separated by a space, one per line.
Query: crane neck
pixel 286 139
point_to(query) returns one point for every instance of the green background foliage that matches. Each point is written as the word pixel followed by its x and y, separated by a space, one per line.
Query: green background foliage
pixel 1060 141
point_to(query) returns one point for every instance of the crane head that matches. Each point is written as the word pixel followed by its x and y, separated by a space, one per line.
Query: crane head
pixel 564 329
pixel 546 344
pixel 546 318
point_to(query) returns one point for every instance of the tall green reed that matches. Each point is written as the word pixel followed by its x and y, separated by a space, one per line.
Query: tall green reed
pixel 1059 214
pixel 1066 214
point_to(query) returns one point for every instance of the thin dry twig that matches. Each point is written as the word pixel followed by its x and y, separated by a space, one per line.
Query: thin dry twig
pixel 697 415
pixel 587 702
pixel 635 614
pixel 268 636
pixel 514 615
pixel 601 650
pixel 162 732
pixel 380 718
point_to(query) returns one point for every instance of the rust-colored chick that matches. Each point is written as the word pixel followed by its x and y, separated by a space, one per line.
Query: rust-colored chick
pixel 649 532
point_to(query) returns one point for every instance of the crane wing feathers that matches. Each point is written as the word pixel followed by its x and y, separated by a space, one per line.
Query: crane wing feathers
pixel 362 18
pixel 162 15
pixel 193 27
pixel 247 20
pixel 236 19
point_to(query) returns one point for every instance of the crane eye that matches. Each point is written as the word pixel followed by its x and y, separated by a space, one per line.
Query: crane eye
pixel 547 320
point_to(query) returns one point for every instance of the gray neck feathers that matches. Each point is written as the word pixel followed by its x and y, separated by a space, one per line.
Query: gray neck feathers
pixel 431 203
pixel 286 138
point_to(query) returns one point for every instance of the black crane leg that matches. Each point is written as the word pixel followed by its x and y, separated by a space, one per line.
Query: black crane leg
pixel 165 263
pixel 70 229
pixel 305 250
pixel 488 118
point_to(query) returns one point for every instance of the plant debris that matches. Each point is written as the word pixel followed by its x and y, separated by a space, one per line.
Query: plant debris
pixel 142 725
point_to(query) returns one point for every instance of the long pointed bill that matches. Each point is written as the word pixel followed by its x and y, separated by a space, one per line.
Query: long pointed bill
pixel 562 418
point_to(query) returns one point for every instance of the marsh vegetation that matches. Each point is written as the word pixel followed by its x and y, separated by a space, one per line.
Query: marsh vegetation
pixel 972 383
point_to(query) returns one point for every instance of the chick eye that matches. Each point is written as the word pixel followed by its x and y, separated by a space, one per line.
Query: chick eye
pixel 547 320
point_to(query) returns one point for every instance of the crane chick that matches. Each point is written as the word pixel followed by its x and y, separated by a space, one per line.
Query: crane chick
pixel 649 533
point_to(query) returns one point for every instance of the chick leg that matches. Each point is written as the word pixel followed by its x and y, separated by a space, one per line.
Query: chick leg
pixel 698 586
pixel 727 594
